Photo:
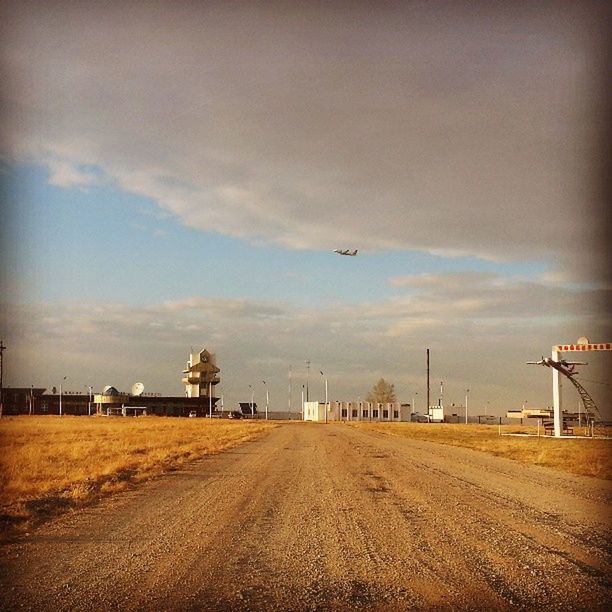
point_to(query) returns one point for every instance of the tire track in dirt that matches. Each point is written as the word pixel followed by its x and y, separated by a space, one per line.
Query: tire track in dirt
pixel 516 562
pixel 315 517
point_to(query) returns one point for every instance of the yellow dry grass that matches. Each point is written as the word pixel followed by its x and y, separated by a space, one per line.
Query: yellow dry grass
pixel 587 457
pixel 77 458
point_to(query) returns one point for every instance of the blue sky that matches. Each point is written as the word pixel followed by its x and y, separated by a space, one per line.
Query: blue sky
pixel 74 243
pixel 172 182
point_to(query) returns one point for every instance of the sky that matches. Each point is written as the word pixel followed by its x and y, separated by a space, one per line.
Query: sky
pixel 177 175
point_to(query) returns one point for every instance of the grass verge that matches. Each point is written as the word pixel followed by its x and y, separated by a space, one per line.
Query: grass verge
pixel 50 464
pixel 586 457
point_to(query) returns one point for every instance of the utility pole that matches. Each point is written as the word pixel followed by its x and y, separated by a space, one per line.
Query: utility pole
pixel 307 375
pixel 2 348
pixel 289 392
pixel 428 386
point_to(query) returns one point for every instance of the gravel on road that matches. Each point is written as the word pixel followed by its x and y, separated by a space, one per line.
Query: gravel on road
pixel 327 517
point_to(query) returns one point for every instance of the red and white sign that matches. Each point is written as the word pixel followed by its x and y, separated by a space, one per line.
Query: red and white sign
pixel 566 348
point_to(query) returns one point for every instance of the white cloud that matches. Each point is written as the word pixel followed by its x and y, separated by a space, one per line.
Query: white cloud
pixel 229 309
pixel 63 173
pixel 448 280
pixel 430 127
pixel 481 343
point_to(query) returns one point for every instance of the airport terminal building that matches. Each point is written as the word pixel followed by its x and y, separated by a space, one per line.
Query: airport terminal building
pixel 200 378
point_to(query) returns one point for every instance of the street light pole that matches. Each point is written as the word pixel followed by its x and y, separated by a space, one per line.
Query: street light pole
pixel 326 400
pixel 325 395
pixel 210 400
pixel 60 399
pixel 467 391
pixel 89 402
pixel 267 398
pixel 252 400
pixel 289 392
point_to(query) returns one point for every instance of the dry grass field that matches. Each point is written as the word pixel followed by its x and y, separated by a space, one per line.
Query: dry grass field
pixel 587 457
pixel 49 463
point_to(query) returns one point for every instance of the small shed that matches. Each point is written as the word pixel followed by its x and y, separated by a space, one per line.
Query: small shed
pixel 314 411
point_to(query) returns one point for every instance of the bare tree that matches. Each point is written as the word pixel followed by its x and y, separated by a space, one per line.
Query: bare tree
pixel 382 392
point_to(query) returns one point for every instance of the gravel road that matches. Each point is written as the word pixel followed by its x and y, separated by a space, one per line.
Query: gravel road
pixel 327 517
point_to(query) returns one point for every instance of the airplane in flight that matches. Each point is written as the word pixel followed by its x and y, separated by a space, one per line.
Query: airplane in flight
pixel 568 366
pixel 346 252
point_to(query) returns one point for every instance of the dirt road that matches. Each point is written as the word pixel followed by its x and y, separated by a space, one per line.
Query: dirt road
pixel 325 517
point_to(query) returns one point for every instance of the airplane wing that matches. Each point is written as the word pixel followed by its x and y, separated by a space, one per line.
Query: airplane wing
pixel 541 362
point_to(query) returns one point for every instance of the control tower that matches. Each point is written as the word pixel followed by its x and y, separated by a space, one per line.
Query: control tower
pixel 201 374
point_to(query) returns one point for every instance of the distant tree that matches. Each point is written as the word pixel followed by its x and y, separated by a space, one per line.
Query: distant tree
pixel 382 392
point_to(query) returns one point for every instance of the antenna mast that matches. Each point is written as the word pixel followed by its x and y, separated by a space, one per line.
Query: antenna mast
pixel 428 386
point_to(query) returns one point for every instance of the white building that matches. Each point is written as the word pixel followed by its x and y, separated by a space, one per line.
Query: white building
pixel 201 374
pixel 436 414
pixel 356 411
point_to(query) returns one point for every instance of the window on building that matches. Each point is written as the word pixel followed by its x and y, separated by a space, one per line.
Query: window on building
pixel 354 413
pixel 395 414
pixel 374 414
pixel 344 413
pixel 385 414
pixel 365 414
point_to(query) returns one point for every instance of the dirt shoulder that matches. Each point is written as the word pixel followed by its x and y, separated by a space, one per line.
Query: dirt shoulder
pixel 327 517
